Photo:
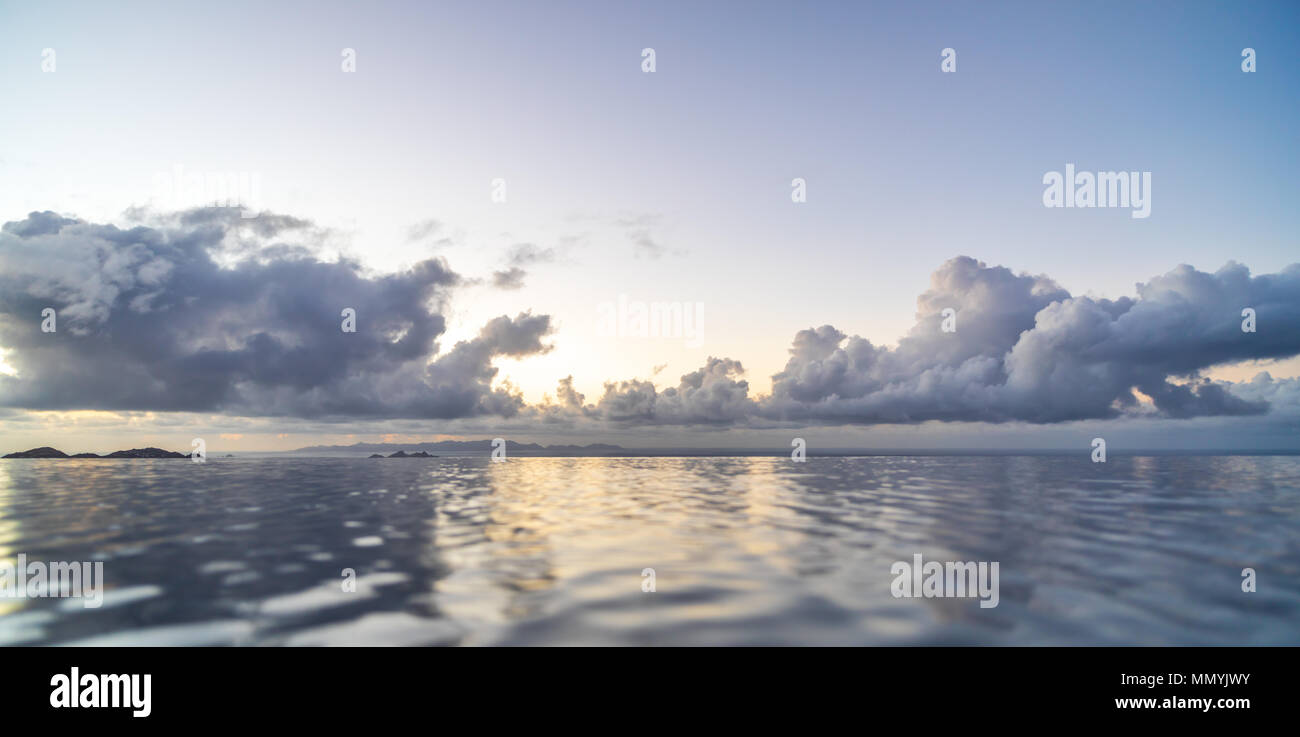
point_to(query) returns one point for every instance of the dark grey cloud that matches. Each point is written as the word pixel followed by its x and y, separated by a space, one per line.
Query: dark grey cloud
pixel 176 316
pixel 1026 350
pixel 37 223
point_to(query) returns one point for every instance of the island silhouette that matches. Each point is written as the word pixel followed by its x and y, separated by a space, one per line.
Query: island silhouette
pixel 47 452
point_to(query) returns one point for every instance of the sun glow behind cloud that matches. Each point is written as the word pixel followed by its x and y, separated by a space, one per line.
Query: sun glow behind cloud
pixel 5 368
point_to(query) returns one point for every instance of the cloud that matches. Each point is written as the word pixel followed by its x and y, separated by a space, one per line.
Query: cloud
pixel 639 231
pixel 1026 350
pixel 525 254
pixel 38 223
pixel 567 395
pixel 178 316
pixel 426 230
pixel 712 395
pixel 511 278
pixel 1023 350
pixel 522 254
pixel 203 311
pixel 461 379
pixel 422 230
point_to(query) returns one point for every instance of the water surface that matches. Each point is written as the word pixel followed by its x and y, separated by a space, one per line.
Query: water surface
pixel 751 550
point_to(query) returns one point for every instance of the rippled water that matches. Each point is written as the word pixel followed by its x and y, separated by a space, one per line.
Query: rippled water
pixel 744 550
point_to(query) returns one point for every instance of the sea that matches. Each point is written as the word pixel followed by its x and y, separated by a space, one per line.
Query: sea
pixel 1139 550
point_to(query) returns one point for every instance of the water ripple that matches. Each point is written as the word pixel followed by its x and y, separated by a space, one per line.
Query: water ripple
pixel 744 550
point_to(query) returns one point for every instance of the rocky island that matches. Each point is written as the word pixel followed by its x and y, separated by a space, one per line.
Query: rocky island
pixel 48 452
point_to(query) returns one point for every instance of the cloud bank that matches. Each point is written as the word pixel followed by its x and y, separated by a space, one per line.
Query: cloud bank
pixel 1022 349
pixel 183 315
pixel 205 312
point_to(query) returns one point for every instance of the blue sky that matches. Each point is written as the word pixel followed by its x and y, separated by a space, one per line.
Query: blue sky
pixel 906 166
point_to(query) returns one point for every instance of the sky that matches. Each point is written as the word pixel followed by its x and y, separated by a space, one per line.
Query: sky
pixel 495 179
